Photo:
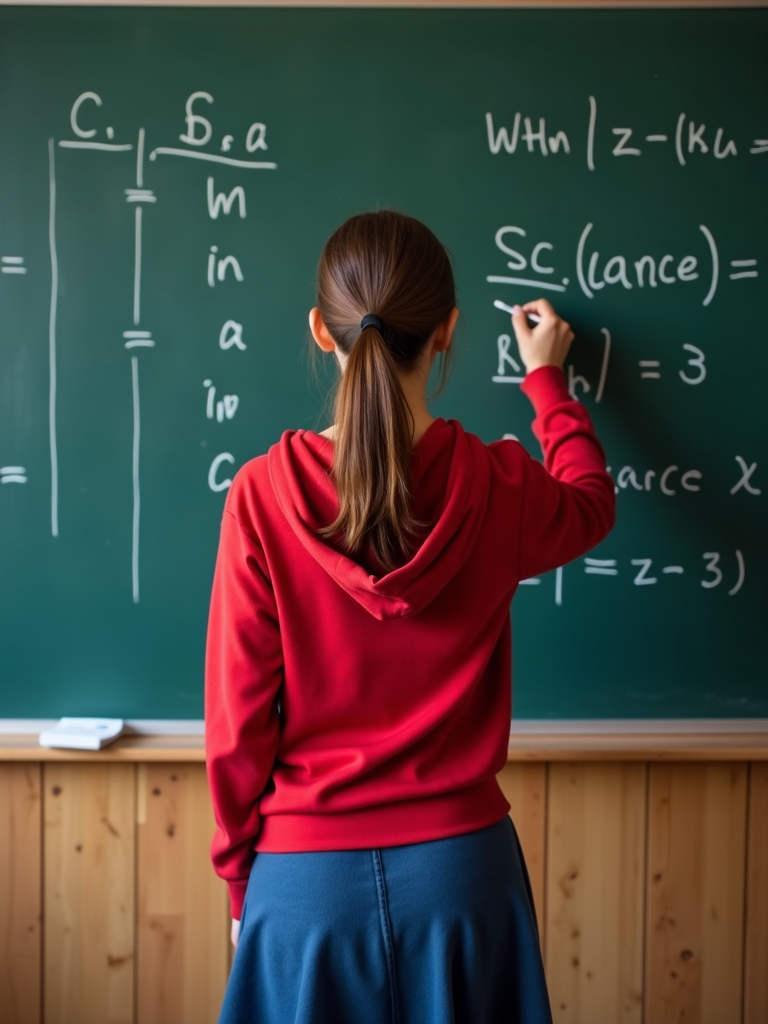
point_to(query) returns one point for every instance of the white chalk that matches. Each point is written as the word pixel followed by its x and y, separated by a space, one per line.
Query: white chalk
pixel 508 309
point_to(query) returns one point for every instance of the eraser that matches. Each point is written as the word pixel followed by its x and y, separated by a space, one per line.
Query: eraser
pixel 82 733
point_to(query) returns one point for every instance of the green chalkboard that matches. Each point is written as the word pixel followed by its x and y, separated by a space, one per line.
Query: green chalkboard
pixel 615 161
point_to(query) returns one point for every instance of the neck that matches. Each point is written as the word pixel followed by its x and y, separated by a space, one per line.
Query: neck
pixel 415 395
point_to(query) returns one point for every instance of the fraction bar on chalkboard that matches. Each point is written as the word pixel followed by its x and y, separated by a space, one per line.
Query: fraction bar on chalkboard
pixel 529 282
pixel 213 158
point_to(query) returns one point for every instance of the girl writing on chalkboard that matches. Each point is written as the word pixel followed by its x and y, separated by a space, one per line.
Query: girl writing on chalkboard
pixel 358 665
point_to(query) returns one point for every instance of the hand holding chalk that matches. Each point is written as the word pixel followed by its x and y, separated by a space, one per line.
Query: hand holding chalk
pixel 511 309
pixel 548 342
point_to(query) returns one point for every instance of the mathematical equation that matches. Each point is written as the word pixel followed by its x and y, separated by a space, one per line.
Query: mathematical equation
pixel 717 571
pixel 691 368
pixel 89 121
pixel 627 272
pixel 529 261
pixel 688 137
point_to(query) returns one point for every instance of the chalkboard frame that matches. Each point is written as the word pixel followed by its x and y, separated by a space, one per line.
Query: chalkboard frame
pixel 426 4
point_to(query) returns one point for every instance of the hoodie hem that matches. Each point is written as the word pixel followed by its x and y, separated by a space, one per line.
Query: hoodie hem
pixel 392 824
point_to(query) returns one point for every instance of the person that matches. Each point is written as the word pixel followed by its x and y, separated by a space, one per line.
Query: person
pixel 358 664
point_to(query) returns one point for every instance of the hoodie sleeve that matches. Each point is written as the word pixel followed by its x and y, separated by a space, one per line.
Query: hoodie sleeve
pixel 243 672
pixel 569 503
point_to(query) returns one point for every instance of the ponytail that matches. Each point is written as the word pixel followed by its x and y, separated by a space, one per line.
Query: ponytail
pixel 374 427
pixel 393 265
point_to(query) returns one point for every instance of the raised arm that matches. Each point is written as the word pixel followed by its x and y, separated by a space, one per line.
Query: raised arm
pixel 569 503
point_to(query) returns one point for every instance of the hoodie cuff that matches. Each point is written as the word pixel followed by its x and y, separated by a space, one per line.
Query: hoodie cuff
pixel 546 387
pixel 237 898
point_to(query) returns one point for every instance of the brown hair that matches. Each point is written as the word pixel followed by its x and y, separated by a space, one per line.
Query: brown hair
pixel 391 265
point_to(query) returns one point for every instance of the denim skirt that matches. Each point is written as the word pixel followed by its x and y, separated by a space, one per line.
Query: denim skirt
pixel 442 932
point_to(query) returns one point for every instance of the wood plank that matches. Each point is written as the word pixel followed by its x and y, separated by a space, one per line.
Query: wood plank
pixel 20 893
pixel 595 892
pixel 183 959
pixel 89 835
pixel 525 787
pixel 696 871
pixel 756 952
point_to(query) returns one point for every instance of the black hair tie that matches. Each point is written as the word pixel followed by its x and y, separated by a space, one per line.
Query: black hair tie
pixel 371 320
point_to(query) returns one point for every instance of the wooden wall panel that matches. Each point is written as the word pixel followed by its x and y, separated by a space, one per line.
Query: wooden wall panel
pixel 89 838
pixel 20 893
pixel 183 916
pixel 595 892
pixel 525 786
pixel 697 838
pixel 756 952
pixel 583 827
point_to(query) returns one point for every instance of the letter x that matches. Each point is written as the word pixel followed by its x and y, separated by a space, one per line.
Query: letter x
pixel 746 473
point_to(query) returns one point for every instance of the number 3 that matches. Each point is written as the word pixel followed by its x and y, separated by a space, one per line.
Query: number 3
pixel 711 566
pixel 697 361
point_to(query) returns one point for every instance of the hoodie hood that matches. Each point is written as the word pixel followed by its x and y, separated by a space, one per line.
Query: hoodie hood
pixel 451 481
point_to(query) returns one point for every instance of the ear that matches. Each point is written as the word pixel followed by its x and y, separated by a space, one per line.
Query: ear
pixel 444 331
pixel 320 332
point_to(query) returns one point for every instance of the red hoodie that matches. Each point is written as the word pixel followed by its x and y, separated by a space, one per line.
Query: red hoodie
pixel 347 710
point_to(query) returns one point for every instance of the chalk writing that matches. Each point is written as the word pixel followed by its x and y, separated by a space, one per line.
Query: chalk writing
pixel 224 408
pixel 594 271
pixel 744 479
pixel 231 334
pixel 86 118
pixel 643 572
pixel 12 265
pixel 688 137
pixel 213 482
pixel 13 475
pixel 220 202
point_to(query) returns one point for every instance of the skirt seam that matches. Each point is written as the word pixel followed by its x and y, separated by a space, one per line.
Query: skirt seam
pixel 386 931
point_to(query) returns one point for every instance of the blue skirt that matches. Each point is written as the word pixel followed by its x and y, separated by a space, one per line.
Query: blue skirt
pixel 442 932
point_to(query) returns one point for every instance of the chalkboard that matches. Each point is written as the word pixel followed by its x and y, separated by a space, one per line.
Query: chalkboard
pixel 167 180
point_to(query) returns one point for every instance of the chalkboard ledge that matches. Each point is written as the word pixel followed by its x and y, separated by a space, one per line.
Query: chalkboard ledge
pixel 21 747
pixel 639 740
pixel 541 740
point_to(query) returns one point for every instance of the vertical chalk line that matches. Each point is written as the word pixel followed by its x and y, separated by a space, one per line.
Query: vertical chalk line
pixel 604 367
pixel 136 494
pixel 137 271
pixel 140 160
pixel 52 342
pixel 559 585
pixel 591 133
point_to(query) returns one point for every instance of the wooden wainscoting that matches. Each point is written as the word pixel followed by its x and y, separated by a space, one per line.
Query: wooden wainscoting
pixel 650 882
